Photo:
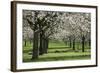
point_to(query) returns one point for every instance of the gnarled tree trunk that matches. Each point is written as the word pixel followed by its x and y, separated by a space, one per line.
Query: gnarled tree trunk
pixel 35 53
pixel 46 43
pixel 41 44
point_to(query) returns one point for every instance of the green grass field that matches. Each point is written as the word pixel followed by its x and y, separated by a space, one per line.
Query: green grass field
pixel 57 51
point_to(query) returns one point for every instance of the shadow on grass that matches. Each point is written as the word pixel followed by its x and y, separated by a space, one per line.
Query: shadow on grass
pixel 41 59
pixel 30 50
pixel 56 51
pixel 63 51
pixel 58 47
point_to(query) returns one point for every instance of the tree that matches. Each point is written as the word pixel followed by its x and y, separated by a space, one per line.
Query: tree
pixel 31 18
pixel 84 27
pixel 78 25
pixel 40 22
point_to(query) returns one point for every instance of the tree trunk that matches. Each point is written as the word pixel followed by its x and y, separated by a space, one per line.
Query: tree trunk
pixel 89 43
pixel 35 53
pixel 46 45
pixel 73 43
pixel 41 44
pixel 83 42
pixel 78 45
pixel 70 43
pixel 25 43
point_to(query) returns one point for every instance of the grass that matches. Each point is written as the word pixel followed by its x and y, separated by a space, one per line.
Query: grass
pixel 57 51
pixel 57 44
pixel 57 56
